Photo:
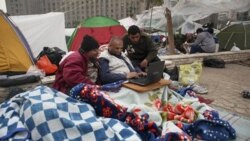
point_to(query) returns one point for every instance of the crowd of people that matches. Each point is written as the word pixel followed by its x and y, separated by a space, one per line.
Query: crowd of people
pixel 84 65
pixel 125 58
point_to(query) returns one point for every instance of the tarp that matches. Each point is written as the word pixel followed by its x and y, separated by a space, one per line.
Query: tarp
pixel 101 28
pixel 188 11
pixel 15 53
pixel 127 22
pixel 43 30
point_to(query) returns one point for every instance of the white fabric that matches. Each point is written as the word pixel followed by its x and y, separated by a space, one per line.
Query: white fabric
pixel 69 31
pixel 43 30
pixel 127 22
pixel 116 65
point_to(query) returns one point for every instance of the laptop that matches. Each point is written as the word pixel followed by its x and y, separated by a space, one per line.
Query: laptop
pixel 154 74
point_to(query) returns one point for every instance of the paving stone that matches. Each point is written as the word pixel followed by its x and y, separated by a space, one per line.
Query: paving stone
pixel 225 85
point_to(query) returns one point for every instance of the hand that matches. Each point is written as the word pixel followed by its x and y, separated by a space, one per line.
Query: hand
pixel 144 63
pixel 185 44
pixel 132 75
pixel 142 74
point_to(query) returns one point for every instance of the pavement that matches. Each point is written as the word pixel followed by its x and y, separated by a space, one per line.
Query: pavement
pixel 225 85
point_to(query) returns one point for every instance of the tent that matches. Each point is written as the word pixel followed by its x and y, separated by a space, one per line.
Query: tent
pixel 100 27
pixel 188 11
pixel 237 33
pixel 43 30
pixel 15 53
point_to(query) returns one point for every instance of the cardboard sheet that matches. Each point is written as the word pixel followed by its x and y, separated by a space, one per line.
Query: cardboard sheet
pixel 149 87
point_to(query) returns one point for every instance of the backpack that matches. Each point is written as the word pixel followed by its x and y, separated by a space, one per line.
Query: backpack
pixel 214 62
pixel 54 54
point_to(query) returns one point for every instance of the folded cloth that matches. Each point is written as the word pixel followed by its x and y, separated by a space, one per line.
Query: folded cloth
pixel 209 130
pixel 171 132
pixel 114 87
pixel 187 90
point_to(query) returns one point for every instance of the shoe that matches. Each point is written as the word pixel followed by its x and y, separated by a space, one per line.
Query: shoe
pixel 245 94
pixel 199 89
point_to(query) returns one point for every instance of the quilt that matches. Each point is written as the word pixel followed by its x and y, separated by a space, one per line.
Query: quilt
pixel 46 114
pixel 161 114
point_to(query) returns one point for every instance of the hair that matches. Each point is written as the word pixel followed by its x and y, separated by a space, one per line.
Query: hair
pixel 89 43
pixel 199 30
pixel 210 30
pixel 132 30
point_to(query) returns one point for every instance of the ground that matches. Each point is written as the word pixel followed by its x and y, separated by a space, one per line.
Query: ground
pixel 225 85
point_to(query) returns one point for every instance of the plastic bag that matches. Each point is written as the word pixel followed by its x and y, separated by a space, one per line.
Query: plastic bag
pixel 44 64
pixel 33 70
pixel 190 73
pixel 235 48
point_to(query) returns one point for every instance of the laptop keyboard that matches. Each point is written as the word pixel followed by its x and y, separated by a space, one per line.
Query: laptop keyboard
pixel 140 79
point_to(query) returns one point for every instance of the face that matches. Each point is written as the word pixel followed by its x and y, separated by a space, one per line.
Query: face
pixel 116 47
pixel 134 38
pixel 93 54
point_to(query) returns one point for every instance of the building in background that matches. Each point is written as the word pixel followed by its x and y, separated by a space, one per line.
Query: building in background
pixel 77 10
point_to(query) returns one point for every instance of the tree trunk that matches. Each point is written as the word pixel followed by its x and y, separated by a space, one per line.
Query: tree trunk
pixel 148 3
pixel 170 31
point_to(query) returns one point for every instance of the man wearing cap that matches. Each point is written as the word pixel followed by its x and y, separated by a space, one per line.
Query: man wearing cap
pixel 79 67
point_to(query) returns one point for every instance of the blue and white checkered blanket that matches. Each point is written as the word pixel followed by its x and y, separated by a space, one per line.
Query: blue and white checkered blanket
pixel 46 114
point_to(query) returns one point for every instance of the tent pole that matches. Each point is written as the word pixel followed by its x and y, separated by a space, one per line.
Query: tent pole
pixel 170 31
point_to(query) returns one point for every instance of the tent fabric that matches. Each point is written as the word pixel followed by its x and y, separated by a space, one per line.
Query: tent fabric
pixel 99 21
pixel 102 30
pixel 43 30
pixel 127 22
pixel 188 11
pixel 15 53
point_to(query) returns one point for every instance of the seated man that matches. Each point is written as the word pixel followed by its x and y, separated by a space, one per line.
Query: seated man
pixel 79 67
pixel 140 48
pixel 203 43
pixel 115 65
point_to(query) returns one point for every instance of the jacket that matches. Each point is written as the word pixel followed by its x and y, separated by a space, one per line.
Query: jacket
pixel 72 71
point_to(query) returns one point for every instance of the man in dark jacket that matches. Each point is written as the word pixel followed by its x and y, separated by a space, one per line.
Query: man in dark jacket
pixel 139 47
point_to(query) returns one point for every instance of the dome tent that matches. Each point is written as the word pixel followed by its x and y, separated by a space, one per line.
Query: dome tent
pixel 15 56
pixel 100 27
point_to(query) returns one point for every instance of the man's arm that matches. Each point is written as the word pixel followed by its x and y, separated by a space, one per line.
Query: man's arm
pixel 106 75
pixel 198 40
pixel 152 51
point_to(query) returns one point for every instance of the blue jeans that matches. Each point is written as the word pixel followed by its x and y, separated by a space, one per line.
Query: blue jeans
pixel 195 49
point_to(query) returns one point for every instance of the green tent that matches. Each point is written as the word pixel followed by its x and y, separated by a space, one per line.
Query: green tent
pixel 238 33
pixel 99 27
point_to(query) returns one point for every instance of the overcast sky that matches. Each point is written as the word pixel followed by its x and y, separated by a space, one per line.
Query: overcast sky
pixel 2 5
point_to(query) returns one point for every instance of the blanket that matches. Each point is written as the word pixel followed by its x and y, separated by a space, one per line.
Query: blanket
pixel 46 114
pixel 151 114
